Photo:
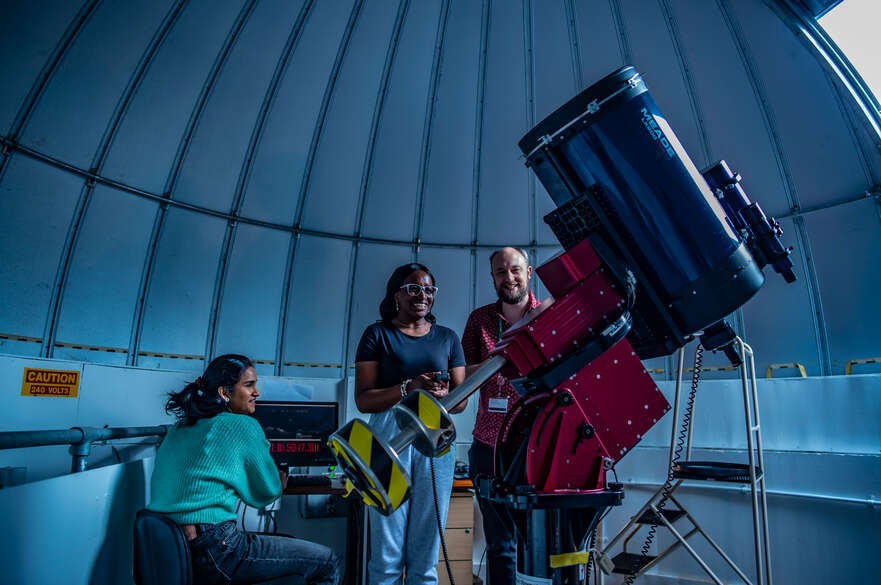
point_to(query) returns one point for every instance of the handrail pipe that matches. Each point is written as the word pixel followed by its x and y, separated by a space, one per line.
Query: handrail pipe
pixel 80 439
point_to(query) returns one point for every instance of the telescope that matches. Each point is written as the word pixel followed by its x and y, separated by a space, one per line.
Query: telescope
pixel 655 254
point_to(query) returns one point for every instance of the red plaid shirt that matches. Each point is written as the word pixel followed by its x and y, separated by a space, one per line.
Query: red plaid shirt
pixel 482 332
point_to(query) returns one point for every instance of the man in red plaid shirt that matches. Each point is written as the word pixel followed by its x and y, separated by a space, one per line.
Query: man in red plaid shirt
pixel 511 273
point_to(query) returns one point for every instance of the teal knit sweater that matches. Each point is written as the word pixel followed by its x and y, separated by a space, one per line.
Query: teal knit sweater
pixel 202 470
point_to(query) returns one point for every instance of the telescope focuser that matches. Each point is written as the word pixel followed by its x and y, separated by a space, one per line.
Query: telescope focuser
pixel 761 233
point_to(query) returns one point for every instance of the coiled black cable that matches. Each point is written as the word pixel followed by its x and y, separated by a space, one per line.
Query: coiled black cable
pixel 689 407
pixel 589 548
pixel 677 453
pixel 440 527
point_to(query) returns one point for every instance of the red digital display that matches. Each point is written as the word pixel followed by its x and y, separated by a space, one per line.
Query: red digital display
pixel 309 446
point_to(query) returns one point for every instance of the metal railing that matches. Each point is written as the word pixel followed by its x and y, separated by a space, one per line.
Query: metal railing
pixel 80 439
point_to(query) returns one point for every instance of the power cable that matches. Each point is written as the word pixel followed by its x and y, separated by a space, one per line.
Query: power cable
pixel 440 528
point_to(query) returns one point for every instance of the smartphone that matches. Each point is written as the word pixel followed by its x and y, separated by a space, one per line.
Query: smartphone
pixel 442 377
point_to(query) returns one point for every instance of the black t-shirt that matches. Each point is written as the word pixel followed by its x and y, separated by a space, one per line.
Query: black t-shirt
pixel 403 357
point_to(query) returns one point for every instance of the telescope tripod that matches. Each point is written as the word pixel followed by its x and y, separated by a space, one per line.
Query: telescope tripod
pixel 555 531
pixel 656 511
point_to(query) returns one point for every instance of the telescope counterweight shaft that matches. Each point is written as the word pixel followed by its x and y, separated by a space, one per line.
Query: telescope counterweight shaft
pixel 458 394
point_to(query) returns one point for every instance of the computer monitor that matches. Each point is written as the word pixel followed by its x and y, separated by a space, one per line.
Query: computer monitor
pixel 298 431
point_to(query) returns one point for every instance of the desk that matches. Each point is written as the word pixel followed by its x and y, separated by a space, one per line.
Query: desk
pixel 355 562
pixel 336 488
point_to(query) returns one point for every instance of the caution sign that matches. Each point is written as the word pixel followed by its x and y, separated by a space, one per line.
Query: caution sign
pixel 58 383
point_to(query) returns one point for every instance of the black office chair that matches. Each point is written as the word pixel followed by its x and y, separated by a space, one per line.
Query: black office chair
pixel 162 555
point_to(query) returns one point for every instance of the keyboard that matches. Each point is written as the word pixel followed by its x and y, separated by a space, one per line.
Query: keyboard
pixel 308 480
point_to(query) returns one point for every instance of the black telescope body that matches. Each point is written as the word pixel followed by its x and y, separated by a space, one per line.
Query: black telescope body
pixel 620 178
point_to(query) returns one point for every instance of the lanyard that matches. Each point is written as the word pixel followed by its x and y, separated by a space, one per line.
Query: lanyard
pixel 499 395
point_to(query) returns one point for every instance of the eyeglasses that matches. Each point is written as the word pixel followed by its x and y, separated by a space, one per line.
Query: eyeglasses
pixel 413 289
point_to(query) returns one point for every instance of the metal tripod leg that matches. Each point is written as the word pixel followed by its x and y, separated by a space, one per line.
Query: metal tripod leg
pixel 756 458
pixel 757 483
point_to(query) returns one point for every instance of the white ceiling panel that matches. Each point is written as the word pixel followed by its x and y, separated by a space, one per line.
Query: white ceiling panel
pixel 78 102
pixel 731 110
pixel 598 38
pixel 253 285
pixel 210 172
pixel 543 206
pixel 273 189
pixel 484 289
pixel 30 31
pixel 504 209
pixel 336 195
pixel 36 207
pixel 449 182
pixel 869 142
pixel 393 192
pixel 819 150
pixel 554 67
pixel 555 81
pixel 846 243
pixel 374 267
pixel 182 284
pixel 148 138
pixel 452 270
pixel 779 319
pixel 99 299
pixel 321 283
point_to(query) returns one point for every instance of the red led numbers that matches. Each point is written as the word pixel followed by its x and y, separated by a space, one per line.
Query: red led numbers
pixel 295 446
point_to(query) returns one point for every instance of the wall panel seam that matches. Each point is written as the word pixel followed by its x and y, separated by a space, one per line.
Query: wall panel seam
pixel 813 289
pixel 430 106
pixel 245 171
pixel 529 67
pixel 313 149
pixel 171 181
pixel 165 202
pixel 73 235
pixel 49 68
pixel 687 77
pixel 620 26
pixel 574 44
pixel 367 167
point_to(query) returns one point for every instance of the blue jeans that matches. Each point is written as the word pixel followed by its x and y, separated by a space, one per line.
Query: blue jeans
pixel 222 554
pixel 409 537
pixel 498 526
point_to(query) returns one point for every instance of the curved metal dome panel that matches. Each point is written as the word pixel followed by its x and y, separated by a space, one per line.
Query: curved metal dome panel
pixel 186 178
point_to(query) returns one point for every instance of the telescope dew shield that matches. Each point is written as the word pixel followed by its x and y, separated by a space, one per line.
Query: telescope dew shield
pixel 372 468
pixel 612 164
pixel 423 413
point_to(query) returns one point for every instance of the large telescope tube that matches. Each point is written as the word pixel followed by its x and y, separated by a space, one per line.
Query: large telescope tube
pixel 620 177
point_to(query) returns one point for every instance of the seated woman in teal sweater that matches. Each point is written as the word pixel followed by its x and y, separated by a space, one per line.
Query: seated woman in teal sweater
pixel 216 455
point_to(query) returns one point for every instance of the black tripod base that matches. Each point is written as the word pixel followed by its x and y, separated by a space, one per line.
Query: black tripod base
pixel 555 530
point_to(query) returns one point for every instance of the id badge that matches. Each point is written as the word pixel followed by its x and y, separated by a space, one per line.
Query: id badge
pixel 498 405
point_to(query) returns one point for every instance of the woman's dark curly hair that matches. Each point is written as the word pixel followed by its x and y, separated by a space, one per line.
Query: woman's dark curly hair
pixel 387 308
pixel 199 399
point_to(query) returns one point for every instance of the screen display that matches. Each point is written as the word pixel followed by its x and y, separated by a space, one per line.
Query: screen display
pixel 298 431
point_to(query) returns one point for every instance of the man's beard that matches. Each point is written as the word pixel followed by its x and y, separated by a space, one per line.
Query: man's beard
pixel 512 297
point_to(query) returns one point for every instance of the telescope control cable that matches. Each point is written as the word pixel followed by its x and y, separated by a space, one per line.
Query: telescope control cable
pixel 440 528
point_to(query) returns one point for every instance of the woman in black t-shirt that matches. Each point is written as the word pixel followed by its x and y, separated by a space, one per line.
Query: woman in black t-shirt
pixel 404 351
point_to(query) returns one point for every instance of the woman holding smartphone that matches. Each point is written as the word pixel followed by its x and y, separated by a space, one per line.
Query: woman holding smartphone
pixel 404 351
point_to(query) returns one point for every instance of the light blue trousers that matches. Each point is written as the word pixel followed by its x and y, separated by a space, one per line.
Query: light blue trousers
pixel 409 537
